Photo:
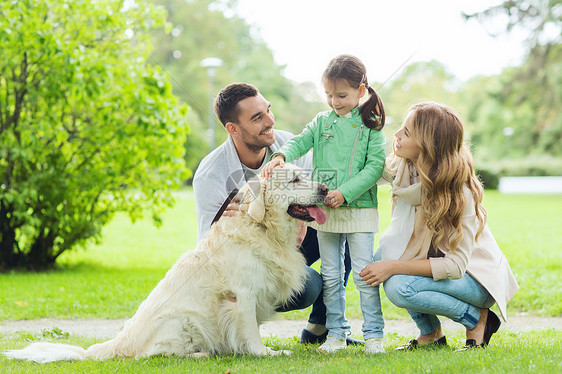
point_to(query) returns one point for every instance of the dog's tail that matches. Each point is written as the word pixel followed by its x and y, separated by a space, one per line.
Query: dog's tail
pixel 47 352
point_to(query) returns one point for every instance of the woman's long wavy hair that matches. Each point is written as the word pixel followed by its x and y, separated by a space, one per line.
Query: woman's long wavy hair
pixel 351 69
pixel 445 166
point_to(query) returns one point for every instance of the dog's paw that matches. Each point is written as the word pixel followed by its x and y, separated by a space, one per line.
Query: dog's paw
pixel 199 355
pixel 282 352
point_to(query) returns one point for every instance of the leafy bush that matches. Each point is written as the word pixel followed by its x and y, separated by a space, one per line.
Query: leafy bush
pixel 489 179
pixel 532 166
pixel 86 127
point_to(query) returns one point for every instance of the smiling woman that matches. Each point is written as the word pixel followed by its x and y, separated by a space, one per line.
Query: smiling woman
pixel 438 255
pixel 404 144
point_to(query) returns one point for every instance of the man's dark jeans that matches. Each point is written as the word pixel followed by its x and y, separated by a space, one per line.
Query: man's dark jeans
pixel 312 294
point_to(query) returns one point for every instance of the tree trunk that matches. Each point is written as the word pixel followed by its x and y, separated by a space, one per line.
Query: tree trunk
pixel 40 257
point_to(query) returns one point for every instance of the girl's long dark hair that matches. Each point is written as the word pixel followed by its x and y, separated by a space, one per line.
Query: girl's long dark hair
pixel 351 69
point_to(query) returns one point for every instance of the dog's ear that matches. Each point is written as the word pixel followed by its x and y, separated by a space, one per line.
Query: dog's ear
pixel 256 209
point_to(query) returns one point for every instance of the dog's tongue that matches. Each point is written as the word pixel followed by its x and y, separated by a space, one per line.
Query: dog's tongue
pixel 317 213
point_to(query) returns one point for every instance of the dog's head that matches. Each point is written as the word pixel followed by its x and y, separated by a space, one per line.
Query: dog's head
pixel 288 189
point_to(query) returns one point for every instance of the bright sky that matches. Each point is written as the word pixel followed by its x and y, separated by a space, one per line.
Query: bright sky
pixel 305 34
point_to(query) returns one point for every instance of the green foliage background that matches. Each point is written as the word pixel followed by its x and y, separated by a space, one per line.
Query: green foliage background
pixel 111 279
pixel 525 99
pixel 94 97
pixel 87 128
pixel 209 28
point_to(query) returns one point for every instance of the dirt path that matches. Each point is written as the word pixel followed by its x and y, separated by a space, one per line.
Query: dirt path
pixel 108 328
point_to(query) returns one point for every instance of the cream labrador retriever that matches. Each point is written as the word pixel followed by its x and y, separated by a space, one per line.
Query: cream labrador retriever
pixel 213 300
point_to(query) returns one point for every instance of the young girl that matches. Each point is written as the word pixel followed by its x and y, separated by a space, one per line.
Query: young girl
pixel 438 255
pixel 349 154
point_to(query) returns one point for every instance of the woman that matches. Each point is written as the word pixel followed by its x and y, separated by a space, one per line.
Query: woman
pixel 438 255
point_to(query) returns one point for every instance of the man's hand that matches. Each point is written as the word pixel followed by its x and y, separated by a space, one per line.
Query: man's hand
pixel 267 170
pixel 232 208
pixel 334 199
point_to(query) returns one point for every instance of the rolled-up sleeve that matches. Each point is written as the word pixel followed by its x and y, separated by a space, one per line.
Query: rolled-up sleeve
pixel 455 262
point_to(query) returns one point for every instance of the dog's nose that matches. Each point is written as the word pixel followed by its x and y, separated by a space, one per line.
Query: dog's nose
pixel 324 189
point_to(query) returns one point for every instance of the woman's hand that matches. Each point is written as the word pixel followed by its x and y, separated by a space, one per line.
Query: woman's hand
pixel 377 272
pixel 334 199
pixel 267 170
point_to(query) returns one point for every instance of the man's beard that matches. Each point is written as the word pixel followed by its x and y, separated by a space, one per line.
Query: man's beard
pixel 256 148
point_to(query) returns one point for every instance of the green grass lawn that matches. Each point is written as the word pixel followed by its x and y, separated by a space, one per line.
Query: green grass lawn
pixel 109 280
pixel 533 352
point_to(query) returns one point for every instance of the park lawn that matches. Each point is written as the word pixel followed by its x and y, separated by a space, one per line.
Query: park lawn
pixel 110 279
pixel 532 352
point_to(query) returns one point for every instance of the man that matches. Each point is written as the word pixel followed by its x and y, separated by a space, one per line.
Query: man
pixel 247 117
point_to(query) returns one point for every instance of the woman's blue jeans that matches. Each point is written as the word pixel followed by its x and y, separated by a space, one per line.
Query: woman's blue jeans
pixel 332 247
pixel 424 298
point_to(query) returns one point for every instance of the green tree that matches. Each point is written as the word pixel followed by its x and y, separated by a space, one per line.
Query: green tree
pixel 212 28
pixel 525 100
pixel 87 128
pixel 419 81
pixel 541 19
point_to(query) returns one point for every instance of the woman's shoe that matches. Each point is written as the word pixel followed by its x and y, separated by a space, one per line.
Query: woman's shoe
pixel 492 326
pixel 414 344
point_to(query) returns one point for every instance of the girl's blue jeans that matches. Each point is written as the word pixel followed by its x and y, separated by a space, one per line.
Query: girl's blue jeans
pixel 425 298
pixel 332 246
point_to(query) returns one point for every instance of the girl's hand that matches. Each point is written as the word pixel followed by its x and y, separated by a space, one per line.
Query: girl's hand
pixel 267 170
pixel 377 272
pixel 334 199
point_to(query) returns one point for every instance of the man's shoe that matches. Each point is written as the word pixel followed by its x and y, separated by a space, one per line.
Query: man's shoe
pixel 351 341
pixel 309 338
pixel 332 345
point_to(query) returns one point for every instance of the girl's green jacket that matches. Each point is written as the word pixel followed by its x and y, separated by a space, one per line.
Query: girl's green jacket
pixel 347 155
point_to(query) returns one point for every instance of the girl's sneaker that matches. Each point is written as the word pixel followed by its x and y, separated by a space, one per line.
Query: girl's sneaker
pixel 374 345
pixel 332 345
